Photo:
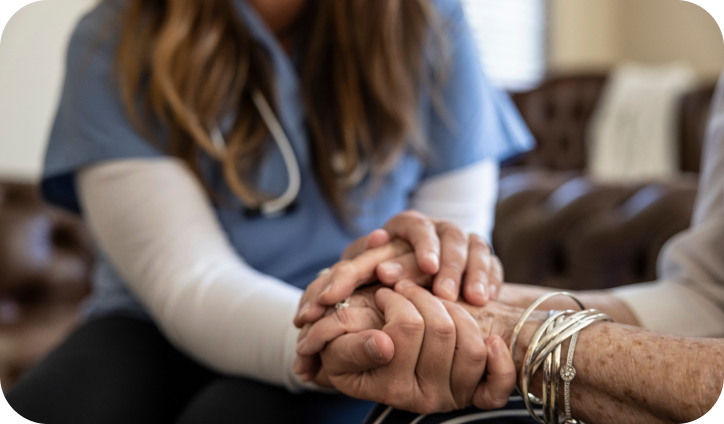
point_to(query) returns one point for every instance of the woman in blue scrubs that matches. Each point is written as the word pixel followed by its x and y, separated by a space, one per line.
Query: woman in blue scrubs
pixel 223 152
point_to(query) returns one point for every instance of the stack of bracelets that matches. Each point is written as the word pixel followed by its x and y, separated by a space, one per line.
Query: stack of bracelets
pixel 545 350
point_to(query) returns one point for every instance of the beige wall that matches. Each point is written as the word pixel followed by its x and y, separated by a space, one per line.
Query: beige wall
pixel 596 34
pixel 583 34
pixel 31 69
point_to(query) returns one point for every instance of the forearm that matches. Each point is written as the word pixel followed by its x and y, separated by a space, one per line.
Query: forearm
pixel 153 221
pixel 630 375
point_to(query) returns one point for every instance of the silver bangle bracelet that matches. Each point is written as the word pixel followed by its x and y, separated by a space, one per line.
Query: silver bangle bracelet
pixel 525 373
pixel 544 350
pixel 521 322
pixel 583 323
pixel 533 307
pixel 568 373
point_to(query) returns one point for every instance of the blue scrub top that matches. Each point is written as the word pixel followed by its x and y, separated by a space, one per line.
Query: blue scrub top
pixel 91 126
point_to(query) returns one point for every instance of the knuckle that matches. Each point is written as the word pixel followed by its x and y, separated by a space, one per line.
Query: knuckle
pixel 454 266
pixel 412 325
pixel 478 275
pixel 477 243
pixel 345 269
pixel 476 352
pixel 411 214
pixel 456 235
pixel 442 328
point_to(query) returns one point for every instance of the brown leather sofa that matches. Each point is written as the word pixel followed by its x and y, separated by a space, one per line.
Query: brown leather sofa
pixel 558 228
pixel 45 262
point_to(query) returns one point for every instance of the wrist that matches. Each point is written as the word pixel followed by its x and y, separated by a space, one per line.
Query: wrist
pixel 531 325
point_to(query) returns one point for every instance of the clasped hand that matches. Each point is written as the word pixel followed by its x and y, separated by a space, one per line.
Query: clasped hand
pixel 408 347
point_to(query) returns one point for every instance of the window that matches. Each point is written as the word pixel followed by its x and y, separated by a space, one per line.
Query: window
pixel 511 35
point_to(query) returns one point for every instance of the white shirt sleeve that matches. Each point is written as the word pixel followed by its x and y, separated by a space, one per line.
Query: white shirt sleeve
pixel 154 221
pixel 689 298
pixel 674 308
pixel 465 197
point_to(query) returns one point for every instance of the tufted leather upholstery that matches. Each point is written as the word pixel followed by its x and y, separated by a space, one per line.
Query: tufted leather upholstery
pixel 45 263
pixel 556 227
pixel 562 230
pixel 557 114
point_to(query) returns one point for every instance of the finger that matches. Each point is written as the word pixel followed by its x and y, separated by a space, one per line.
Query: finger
pixel 470 357
pixel 347 276
pixel 343 321
pixel 374 239
pixel 308 307
pixel 306 366
pixel 420 231
pixel 322 378
pixel 499 381
pixel 453 258
pixel 478 272
pixel 342 279
pixel 356 352
pixel 377 238
pixel 406 328
pixel 404 267
pixel 438 346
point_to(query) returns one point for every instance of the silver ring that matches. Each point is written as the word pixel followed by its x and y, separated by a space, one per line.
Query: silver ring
pixel 343 304
pixel 322 272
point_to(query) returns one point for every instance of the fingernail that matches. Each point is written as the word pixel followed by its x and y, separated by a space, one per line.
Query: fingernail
pixel 499 348
pixel 325 291
pixel 450 287
pixel 433 257
pixel 391 270
pixel 372 349
pixel 480 288
pixel 301 345
pixel 297 365
pixel 304 310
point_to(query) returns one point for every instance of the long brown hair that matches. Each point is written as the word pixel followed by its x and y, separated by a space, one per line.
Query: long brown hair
pixel 190 62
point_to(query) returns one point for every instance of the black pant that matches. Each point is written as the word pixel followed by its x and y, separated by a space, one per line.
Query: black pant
pixel 123 370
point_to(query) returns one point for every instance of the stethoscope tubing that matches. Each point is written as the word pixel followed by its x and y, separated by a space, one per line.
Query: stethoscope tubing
pixel 277 205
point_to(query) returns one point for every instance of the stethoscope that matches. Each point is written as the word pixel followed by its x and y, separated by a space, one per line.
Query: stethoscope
pixel 278 206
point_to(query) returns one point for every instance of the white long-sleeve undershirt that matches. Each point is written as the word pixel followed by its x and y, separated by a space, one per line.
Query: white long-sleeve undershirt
pixel 155 223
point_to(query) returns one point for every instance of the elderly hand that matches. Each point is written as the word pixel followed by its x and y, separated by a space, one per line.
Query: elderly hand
pixel 438 253
pixel 439 356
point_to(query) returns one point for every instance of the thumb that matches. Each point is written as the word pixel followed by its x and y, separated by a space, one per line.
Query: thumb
pixel 357 352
